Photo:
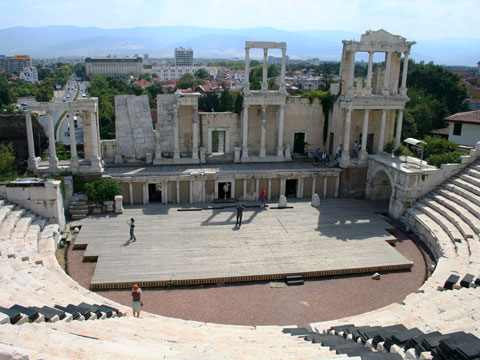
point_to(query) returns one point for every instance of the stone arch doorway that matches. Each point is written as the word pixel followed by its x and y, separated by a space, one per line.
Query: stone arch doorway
pixel 380 187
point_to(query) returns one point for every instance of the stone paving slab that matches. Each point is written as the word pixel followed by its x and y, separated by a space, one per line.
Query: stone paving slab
pixel 342 236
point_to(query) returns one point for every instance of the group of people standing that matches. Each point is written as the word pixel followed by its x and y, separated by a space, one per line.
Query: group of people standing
pixel 323 158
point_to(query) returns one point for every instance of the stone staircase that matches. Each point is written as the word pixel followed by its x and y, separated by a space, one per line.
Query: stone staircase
pixel 32 277
pixel 78 206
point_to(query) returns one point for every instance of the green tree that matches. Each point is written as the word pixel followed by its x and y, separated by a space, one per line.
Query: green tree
pixel 202 74
pixel 152 91
pixel 146 76
pixel 208 102
pixel 7 159
pixel 79 70
pixel 237 106
pixel 45 92
pixel 185 82
pixel 42 72
pixel 226 101
pixel 5 94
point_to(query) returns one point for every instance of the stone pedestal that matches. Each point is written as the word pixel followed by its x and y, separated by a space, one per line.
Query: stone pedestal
pixel 288 154
pixel 108 206
pixel 282 202
pixel 315 200
pixel 203 158
pixel 149 158
pixel 237 151
pixel 118 204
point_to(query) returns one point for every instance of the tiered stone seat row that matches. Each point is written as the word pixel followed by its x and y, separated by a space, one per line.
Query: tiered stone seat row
pixel 32 277
pixel 447 220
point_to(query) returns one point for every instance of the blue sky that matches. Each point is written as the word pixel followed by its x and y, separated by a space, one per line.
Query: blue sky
pixel 414 19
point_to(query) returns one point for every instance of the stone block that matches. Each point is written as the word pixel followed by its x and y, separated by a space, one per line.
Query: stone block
pixel 119 204
pixel 376 276
pixel 149 158
pixel 237 151
pixel 315 200
pixel 282 202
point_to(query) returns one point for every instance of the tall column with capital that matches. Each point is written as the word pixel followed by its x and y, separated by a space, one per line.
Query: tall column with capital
pixel 351 73
pixel 386 77
pixel 281 121
pixel 263 129
pixel 245 132
pixel 176 147
pixel 368 90
pixel 403 88
pixel 195 133
pixel 246 83
pixel 265 66
pixel 53 160
pixel 32 161
pixel 283 87
pixel 381 138
pixel 398 131
pixel 95 163
pixel 345 159
pixel 363 150
pixel 73 142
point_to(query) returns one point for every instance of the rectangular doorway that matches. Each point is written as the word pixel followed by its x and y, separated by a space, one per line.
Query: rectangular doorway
pixel 224 190
pixel 370 143
pixel 218 141
pixel 299 143
pixel 291 188
pixel 155 192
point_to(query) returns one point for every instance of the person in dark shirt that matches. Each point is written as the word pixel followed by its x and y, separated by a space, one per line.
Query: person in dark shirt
pixel 240 209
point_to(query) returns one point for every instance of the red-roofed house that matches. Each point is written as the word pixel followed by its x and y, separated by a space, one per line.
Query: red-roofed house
pixel 464 128
pixel 142 83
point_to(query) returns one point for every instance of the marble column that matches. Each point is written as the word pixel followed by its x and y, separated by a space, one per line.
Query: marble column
pixel 325 186
pixel 314 184
pixel 232 189
pixel 283 182
pixel 263 129
pixel 195 133
pixel 73 142
pixel 32 160
pixel 386 77
pixel 244 193
pixel 281 121
pixel 215 190
pixel 368 90
pixel 300 188
pixel 53 160
pixel 398 131
pixel 351 73
pixel 283 86
pixel 403 88
pixel 190 195
pixel 246 83
pixel 176 147
pixel 345 159
pixel 337 185
pixel 158 148
pixel 178 191
pixel 145 193
pixel 265 67
pixel 269 189
pixel 245 133
pixel 257 189
pixel 381 137
pixel 363 151
pixel 165 192
pixel 203 190
pixel 95 161
pixel 130 192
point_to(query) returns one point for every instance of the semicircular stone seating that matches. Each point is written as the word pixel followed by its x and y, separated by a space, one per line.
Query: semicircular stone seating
pixel 446 220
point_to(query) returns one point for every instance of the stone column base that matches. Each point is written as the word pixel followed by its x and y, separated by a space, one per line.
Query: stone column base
pixel 33 163
pixel 96 165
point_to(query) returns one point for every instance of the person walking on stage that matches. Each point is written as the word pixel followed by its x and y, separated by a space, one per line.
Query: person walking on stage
pixel 262 198
pixel 225 190
pixel 136 300
pixel 240 209
pixel 131 222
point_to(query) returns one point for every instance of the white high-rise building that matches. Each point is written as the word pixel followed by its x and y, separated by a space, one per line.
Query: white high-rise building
pixel 183 57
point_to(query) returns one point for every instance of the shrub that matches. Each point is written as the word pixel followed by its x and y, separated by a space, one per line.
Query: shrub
pixel 102 190
pixel 403 150
pixel 388 148
pixel 436 146
pixel 7 159
pixel 78 184
pixel 444 158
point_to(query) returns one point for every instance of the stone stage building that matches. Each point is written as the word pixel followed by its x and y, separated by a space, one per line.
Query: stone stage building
pixel 191 155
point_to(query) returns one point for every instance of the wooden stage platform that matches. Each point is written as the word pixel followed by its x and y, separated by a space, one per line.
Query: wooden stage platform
pixel 342 236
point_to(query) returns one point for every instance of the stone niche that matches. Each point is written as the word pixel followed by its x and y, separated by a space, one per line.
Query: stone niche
pixel 133 127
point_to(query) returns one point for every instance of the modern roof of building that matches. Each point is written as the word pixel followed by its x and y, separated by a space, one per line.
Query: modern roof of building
pixel 443 131
pixel 472 117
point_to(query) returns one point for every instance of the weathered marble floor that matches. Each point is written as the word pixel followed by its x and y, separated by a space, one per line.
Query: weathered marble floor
pixel 341 236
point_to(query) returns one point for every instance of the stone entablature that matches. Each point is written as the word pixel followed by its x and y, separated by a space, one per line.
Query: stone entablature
pixel 91 136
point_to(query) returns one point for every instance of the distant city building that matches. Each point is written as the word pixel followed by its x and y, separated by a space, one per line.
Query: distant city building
pixel 167 72
pixel 14 64
pixel 114 66
pixel 277 60
pixel 29 74
pixel 183 57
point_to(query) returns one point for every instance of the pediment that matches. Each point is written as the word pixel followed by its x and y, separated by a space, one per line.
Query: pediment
pixel 381 36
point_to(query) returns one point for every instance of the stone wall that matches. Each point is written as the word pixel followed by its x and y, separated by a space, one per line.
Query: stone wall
pixel 223 121
pixel 133 126
pixel 165 122
pixel 13 130
pixel 352 182
pixel 185 130
pixel 109 150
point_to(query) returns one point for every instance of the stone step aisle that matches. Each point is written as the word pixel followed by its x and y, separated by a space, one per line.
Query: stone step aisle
pixel 78 206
